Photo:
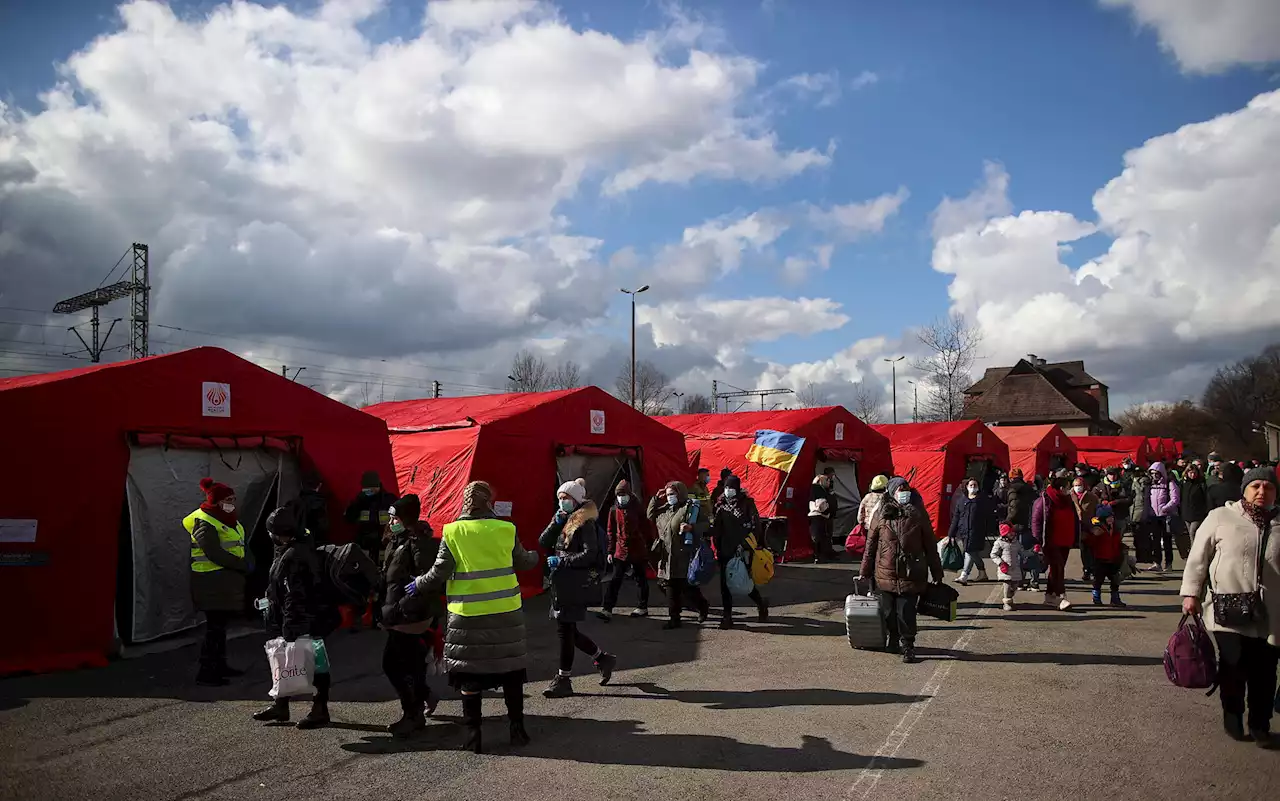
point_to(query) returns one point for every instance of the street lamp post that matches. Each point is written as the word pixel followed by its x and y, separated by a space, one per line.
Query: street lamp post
pixel 915 401
pixel 633 293
pixel 894 364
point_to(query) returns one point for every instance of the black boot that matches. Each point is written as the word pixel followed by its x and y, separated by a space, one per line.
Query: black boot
pixel 762 611
pixel 278 712
pixel 433 701
pixel 472 719
pixel 412 720
pixel 1233 724
pixel 515 713
pixel 1264 740
pixel 561 687
pixel 605 664
pixel 318 717
pixel 909 654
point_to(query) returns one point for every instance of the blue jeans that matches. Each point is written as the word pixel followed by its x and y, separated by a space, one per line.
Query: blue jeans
pixel 970 562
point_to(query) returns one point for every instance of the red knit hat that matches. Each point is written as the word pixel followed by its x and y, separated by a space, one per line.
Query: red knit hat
pixel 215 493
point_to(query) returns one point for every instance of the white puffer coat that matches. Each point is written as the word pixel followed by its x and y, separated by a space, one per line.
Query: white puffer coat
pixel 1008 551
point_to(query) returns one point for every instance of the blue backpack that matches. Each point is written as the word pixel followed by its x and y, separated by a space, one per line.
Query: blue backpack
pixel 703 566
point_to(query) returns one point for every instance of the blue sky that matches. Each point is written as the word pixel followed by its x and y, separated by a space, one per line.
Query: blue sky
pixel 1054 92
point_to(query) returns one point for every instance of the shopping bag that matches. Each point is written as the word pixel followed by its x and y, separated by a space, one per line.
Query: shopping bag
pixel 702 568
pixel 952 556
pixel 938 601
pixel 737 576
pixel 293 667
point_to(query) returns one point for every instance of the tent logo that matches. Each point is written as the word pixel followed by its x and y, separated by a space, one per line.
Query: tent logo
pixel 597 421
pixel 839 432
pixel 216 398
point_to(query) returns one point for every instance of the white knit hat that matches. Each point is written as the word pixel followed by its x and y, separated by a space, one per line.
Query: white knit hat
pixel 574 489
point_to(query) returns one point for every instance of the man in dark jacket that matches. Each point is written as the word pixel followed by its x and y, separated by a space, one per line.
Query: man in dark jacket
pixel 368 513
pixel 734 519
pixel 297 607
pixel 822 490
pixel 409 617
pixel 1227 489
pixel 628 533
pixel 1195 502
pixel 313 503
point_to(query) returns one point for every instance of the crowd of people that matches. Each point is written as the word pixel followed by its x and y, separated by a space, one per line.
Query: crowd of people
pixel 455 600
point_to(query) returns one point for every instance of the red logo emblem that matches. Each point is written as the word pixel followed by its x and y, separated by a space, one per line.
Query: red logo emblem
pixel 216 396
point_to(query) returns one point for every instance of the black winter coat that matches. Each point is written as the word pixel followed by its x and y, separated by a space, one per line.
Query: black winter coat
pixel 1195 501
pixel 408 556
pixel 728 530
pixel 575 583
pixel 368 513
pixel 295 592
pixel 1222 493
pixel 972 521
pixel 1019 499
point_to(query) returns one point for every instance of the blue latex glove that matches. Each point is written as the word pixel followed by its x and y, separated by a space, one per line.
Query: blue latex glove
pixel 560 517
pixel 411 589
pixel 553 562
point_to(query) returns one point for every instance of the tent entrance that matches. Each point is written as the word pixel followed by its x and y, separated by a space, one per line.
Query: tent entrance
pixel 984 470
pixel 848 498
pixel 1057 461
pixel 162 487
pixel 601 471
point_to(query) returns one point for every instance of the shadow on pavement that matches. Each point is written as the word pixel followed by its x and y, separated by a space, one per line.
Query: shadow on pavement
pixel 1066 617
pixel 1123 660
pixel 796 627
pixel 761 699
pixel 625 742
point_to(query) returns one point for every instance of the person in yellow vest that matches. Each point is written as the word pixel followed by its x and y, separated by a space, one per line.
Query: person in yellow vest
pixel 485 636
pixel 218 570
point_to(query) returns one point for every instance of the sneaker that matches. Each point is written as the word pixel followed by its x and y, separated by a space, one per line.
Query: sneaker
pixel 1116 602
pixel 1097 597
pixel 640 612
pixel 1008 606
pixel 276 713
pixel 561 687
pixel 605 664
pixel 1064 605
pixel 962 580
pixel 1050 599
pixel 982 576
pixel 605 615
pixel 909 655
pixel 1035 586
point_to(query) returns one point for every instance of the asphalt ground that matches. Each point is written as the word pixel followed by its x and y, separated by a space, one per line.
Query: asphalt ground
pixel 1031 704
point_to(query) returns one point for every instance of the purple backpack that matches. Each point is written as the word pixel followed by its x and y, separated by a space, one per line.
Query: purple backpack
pixel 1189 658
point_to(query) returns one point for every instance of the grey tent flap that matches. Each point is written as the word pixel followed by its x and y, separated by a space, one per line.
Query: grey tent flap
pixel 846 492
pixel 163 488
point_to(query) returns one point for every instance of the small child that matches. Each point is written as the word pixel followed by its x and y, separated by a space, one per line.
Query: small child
pixel 1007 554
pixel 1104 543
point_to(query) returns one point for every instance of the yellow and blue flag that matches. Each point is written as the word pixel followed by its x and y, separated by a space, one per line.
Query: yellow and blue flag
pixel 776 449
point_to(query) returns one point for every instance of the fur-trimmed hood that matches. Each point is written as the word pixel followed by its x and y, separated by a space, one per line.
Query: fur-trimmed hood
pixel 587 513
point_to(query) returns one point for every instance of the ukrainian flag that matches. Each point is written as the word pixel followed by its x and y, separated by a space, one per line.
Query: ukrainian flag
pixel 775 449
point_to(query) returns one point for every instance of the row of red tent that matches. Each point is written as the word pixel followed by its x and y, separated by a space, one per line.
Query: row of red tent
pixel 70 439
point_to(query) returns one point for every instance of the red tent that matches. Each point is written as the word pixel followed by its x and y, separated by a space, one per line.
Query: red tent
pixel 1106 452
pixel 1179 448
pixel 103 464
pixel 1155 446
pixel 525 446
pixel 833 437
pixel 1171 449
pixel 942 456
pixel 1037 450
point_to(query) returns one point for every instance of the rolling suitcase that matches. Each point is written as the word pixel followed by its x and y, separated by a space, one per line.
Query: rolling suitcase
pixel 862 619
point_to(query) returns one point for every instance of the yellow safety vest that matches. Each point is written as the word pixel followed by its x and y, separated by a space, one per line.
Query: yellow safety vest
pixel 232 540
pixel 484 582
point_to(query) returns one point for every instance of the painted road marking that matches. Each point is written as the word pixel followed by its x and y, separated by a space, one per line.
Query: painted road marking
pixel 870 775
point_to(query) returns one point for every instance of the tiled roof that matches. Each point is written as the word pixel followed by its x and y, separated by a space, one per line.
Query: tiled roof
pixel 1028 396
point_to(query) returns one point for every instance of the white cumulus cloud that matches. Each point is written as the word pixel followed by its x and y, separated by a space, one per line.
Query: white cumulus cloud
pixel 1211 36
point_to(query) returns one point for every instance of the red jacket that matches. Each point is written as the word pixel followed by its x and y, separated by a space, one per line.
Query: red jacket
pixel 628 532
pixel 1105 546
pixel 1053 520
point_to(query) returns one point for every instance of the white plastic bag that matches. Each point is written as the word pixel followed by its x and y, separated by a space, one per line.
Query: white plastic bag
pixel 293 667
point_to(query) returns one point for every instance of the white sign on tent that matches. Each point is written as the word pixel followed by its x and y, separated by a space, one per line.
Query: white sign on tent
pixel 216 398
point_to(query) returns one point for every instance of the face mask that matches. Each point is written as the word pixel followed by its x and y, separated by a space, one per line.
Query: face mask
pixel 396 528
pixel 973 492
pixel 704 479
pixel 567 505
pixel 903 498
pixel 228 507
pixel 673 500
pixel 730 493
pixel 623 500
pixel 370 491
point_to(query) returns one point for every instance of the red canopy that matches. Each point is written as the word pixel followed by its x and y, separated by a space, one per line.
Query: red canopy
pixel 940 454
pixel 1155 447
pixel 517 443
pixel 67 443
pixel 1171 450
pixel 1106 452
pixel 831 435
pixel 1034 449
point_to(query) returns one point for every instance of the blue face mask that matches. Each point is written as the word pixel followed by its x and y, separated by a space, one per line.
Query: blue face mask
pixel 567 505
pixel 370 491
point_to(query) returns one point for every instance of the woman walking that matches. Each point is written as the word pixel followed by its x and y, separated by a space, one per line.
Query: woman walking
pixel 573 542
pixel 1086 503
pixel 972 520
pixel 678 538
pixel 1236 556
pixel 1195 503
pixel 484 644
pixel 1160 506
pixel 1054 527
pixel 628 550
pixel 735 518
pixel 901 555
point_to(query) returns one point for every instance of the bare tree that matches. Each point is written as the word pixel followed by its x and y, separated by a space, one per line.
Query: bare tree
pixel 1243 395
pixel 653 390
pixel 952 344
pixel 810 397
pixel 529 373
pixel 697 404
pixel 866 406
pixel 567 375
